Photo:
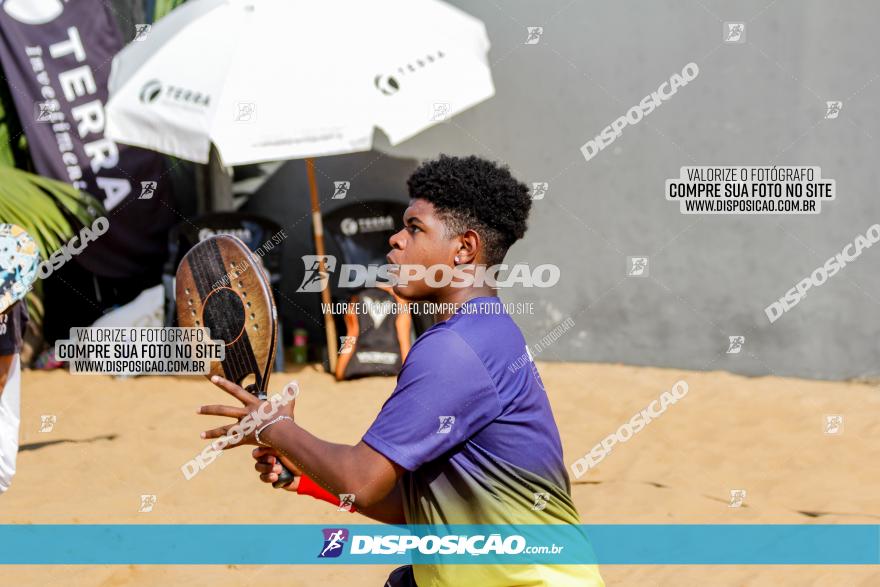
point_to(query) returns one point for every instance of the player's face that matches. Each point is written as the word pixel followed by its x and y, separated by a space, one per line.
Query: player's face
pixel 422 242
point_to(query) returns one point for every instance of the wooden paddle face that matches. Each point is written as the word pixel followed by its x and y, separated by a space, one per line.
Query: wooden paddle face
pixel 221 286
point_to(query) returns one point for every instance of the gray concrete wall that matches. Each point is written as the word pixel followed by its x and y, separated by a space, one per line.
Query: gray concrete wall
pixel 757 103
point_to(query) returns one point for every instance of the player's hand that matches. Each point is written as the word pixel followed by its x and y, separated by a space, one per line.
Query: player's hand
pixel 252 414
pixel 269 466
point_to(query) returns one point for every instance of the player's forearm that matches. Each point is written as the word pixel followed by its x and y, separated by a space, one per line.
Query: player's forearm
pixel 388 510
pixel 339 468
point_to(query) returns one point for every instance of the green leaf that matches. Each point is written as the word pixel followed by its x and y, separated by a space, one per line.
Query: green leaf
pixel 50 211
pixel 163 7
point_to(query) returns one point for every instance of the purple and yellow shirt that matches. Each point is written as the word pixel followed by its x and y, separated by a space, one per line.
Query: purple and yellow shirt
pixel 470 422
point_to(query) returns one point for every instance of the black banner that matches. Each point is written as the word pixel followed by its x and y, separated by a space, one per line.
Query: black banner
pixel 56 57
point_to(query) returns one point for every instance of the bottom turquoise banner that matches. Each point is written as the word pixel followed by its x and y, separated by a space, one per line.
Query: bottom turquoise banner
pixel 454 544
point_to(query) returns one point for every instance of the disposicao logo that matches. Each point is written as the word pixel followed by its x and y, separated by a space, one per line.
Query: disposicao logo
pixel 353 275
pixel 334 542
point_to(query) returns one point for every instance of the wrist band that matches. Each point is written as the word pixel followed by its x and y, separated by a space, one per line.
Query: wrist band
pixel 266 425
pixel 308 487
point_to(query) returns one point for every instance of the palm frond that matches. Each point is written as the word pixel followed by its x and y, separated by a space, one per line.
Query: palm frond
pixel 51 211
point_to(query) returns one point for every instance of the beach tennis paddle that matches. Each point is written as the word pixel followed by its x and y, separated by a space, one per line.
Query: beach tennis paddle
pixel 221 285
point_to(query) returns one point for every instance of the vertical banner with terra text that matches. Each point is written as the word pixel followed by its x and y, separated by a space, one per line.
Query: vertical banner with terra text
pixel 56 58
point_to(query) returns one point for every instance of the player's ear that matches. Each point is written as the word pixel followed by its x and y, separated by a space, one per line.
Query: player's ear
pixel 469 246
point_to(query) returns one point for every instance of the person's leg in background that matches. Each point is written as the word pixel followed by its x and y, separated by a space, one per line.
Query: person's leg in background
pixel 10 417
pixel 13 323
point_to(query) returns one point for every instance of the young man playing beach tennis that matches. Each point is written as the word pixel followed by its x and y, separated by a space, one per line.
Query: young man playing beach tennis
pixel 466 437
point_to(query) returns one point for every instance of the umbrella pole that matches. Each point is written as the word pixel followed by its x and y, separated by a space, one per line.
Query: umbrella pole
pixel 318 229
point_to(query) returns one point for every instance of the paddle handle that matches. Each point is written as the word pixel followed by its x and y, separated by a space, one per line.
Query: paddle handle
pixel 284 478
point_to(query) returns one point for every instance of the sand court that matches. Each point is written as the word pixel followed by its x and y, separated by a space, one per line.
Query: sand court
pixel 114 440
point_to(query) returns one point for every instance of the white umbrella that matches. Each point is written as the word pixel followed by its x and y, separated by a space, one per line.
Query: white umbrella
pixel 283 79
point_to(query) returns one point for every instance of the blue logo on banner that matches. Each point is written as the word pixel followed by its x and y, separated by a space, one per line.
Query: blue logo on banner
pixel 334 541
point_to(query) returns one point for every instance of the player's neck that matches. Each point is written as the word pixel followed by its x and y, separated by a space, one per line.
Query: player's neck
pixel 453 298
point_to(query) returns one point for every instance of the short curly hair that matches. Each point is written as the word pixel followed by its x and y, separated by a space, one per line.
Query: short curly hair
pixel 473 193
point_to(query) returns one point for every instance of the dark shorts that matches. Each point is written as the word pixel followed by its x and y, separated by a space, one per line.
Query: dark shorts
pixel 401 577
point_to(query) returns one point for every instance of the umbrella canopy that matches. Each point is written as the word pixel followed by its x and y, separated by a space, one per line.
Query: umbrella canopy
pixel 282 79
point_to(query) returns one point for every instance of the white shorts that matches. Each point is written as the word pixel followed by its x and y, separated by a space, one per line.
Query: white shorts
pixel 10 416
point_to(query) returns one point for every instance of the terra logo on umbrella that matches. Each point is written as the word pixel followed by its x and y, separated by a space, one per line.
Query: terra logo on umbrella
pixel 153 90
